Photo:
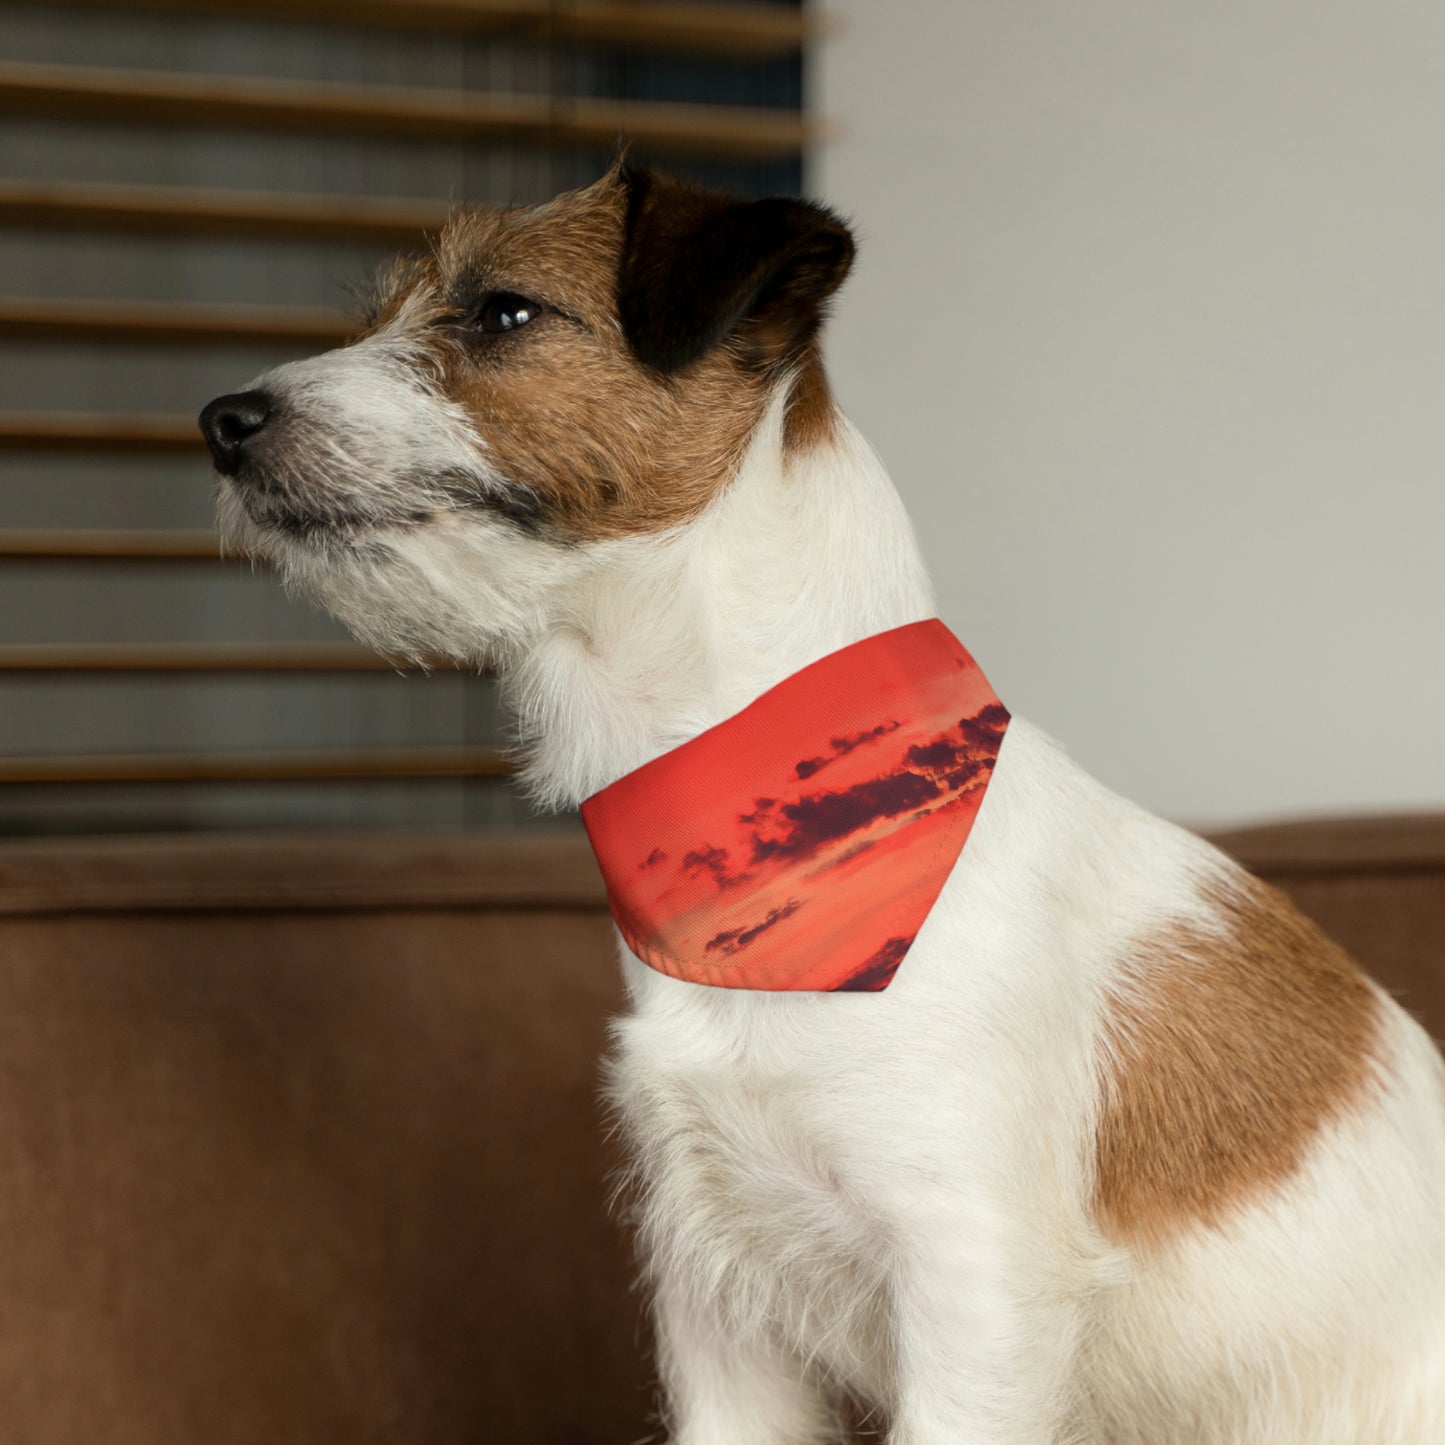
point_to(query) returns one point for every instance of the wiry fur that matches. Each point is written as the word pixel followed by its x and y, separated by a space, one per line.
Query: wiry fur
pixel 895 1196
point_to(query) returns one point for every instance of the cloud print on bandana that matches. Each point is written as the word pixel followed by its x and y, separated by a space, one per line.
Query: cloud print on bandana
pixel 801 843
pixel 840 747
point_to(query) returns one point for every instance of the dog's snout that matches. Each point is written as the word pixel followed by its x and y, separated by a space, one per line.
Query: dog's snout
pixel 229 422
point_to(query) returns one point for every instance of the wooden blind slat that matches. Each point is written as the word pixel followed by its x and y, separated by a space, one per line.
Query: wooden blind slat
pixel 157 97
pixel 256 767
pixel 754 31
pixel 176 211
pixel 705 29
pixel 169 323
pixel 109 546
pixel 182 657
pixel 95 431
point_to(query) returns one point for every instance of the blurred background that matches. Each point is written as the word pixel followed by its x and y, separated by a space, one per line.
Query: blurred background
pixel 1149 324
pixel 301 1006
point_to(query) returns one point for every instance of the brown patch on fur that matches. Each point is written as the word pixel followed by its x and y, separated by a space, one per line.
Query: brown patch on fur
pixel 597 442
pixel 812 414
pixel 1229 1052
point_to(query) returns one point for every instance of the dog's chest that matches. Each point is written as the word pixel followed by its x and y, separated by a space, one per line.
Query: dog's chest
pixel 748 1184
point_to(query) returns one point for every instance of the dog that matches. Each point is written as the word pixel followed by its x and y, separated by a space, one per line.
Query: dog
pixel 1128 1153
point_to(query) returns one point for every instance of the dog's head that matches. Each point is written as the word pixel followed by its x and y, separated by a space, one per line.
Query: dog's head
pixel 546 382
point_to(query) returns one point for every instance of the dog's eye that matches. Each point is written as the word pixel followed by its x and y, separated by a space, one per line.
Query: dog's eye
pixel 505 311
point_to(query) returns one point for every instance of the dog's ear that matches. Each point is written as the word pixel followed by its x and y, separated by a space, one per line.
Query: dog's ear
pixel 699 266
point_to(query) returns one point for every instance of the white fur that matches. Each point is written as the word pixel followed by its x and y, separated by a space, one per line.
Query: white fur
pixel 889 1194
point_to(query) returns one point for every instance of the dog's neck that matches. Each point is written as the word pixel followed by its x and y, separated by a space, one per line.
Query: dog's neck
pixel 803 553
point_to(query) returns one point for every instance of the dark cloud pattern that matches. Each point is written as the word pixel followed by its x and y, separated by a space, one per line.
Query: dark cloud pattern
pixel 713 861
pixel 878 972
pixel 841 747
pixel 825 817
pixel 732 939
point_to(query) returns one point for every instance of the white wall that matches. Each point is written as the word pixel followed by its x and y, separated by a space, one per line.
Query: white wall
pixel 1149 324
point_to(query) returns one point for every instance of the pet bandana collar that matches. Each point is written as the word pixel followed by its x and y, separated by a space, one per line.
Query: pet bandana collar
pixel 800 843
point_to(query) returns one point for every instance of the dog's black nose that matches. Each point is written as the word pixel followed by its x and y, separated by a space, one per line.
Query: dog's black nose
pixel 229 422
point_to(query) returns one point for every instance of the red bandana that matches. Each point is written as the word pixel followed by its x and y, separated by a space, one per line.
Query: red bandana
pixel 801 843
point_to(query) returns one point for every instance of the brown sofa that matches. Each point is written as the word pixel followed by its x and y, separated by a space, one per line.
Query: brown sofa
pixel 299 1141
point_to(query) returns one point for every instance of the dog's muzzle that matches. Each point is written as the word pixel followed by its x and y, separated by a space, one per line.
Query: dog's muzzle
pixel 231 424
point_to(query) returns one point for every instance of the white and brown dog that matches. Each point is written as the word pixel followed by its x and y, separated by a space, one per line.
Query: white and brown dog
pixel 1128 1153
